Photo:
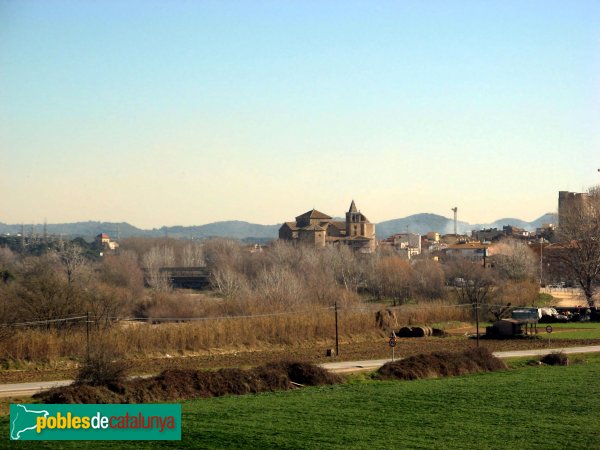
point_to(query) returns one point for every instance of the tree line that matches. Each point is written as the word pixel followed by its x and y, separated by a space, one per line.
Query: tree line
pixel 71 278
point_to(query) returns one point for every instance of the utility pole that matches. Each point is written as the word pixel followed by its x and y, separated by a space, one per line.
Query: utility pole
pixel 87 334
pixel 165 247
pixel 337 340
pixel 118 250
pixel 477 319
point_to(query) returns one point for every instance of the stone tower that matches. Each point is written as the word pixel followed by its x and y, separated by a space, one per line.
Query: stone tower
pixel 357 224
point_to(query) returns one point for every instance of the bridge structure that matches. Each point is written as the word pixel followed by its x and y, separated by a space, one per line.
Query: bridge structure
pixel 197 278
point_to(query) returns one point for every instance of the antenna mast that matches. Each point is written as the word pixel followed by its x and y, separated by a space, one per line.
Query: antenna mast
pixel 455 209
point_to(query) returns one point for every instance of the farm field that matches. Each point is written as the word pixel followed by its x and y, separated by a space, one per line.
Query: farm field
pixel 540 406
pixel 359 348
pixel 572 330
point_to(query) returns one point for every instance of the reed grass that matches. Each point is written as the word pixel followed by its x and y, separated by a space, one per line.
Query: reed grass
pixel 143 339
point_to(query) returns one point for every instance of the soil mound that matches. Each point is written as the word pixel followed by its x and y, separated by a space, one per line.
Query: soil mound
pixel 79 393
pixel 555 359
pixel 441 364
pixel 304 373
pixel 179 384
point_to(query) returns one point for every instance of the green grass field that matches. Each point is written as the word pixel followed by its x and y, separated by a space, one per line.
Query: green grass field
pixel 571 330
pixel 526 407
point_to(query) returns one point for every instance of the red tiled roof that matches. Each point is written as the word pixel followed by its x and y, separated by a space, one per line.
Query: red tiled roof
pixel 469 246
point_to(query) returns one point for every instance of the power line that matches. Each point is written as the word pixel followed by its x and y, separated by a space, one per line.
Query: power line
pixel 161 319
pixel 247 316
pixel 43 322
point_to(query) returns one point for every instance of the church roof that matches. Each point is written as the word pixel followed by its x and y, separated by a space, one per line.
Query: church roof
pixel 353 207
pixel 356 238
pixel 313 214
pixel 312 228
pixel 338 224
pixel 291 225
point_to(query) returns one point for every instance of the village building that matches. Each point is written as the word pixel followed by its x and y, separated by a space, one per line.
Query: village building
pixel 407 245
pixel 474 251
pixel 104 240
pixel 318 229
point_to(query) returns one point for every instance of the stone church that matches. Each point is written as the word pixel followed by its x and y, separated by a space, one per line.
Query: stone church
pixel 315 228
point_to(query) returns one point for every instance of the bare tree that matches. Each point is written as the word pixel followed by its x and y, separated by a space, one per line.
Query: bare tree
pixel 154 260
pixel 43 294
pixel 73 261
pixel 428 278
pixel 347 271
pixel 7 257
pixel 579 240
pixel 513 260
pixel 8 309
pixel 104 303
pixel 122 270
pixel 192 255
pixel 371 274
pixel 228 282
pixel 283 253
pixel 225 260
pixel 395 276
pixel 219 253
pixel 511 293
pixel 279 287
pixel 474 286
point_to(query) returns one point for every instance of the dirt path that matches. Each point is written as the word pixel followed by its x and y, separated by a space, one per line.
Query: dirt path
pixel 567 297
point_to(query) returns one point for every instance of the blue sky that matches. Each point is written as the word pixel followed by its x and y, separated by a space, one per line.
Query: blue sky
pixel 173 112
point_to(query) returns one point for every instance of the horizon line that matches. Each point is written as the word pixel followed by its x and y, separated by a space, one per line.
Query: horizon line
pixel 253 223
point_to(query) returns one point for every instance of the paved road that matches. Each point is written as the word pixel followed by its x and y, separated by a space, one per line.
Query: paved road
pixel 356 366
pixel 26 389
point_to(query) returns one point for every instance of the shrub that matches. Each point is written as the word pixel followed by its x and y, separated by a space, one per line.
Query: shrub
pixel 555 359
pixel 102 368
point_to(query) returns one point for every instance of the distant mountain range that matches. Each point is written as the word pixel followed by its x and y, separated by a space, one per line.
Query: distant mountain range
pixel 417 223
pixel 232 229
pixel 424 223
